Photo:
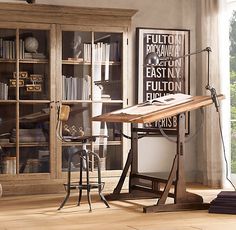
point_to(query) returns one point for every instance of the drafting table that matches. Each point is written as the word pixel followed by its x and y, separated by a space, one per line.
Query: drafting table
pixel 174 186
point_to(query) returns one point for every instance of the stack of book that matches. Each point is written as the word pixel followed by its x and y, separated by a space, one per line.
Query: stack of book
pixel 76 88
pixel 225 202
pixel 7 49
pixel 28 135
pixel 3 91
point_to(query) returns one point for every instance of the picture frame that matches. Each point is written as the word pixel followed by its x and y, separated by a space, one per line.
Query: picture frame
pixel 171 75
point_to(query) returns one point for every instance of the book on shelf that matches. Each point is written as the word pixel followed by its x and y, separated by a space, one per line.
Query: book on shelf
pixel 76 88
pixel 22 49
pixel 107 57
pixel 3 91
pixel 87 52
pixel 28 135
pixel 28 55
pixel 7 49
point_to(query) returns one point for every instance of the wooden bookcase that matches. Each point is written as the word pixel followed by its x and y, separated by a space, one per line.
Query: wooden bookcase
pixel 54 55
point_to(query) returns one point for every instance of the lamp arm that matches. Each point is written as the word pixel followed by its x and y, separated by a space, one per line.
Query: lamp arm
pixel 208 86
pixel 207 49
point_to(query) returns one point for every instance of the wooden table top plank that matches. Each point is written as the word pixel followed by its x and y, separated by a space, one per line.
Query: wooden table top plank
pixel 197 102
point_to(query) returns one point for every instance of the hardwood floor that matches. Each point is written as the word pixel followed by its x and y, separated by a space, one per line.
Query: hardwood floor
pixel 40 212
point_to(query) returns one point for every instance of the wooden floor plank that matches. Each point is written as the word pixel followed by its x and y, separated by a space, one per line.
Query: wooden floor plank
pixel 40 212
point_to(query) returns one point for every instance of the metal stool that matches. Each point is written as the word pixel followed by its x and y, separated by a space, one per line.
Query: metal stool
pixel 84 164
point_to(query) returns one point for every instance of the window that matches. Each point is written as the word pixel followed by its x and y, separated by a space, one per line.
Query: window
pixel 232 51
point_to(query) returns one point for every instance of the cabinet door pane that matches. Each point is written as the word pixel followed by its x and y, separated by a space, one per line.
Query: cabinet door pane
pixel 107 76
pixel 7 64
pixel 34 138
pixel 79 121
pixel 34 65
pixel 109 149
pixel 7 147
pixel 76 65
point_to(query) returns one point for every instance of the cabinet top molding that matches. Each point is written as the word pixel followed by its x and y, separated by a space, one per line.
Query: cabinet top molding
pixel 59 14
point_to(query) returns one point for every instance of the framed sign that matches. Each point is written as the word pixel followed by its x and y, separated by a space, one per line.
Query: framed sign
pixel 167 72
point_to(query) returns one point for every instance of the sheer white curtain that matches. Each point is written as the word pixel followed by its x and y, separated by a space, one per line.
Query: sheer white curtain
pixel 212 31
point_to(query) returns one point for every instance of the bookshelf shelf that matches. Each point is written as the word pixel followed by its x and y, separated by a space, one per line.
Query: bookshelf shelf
pixel 75 101
pixel 3 60
pixel 34 61
pixel 7 145
pixel 108 82
pixel 7 101
pixel 71 62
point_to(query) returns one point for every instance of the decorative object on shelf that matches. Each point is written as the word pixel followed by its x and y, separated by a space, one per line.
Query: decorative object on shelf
pixel 13 83
pixel 72 131
pixel 159 79
pixel 81 132
pixel 31 44
pixel 22 74
pixel 36 78
pixel 69 130
pixel 76 46
pixel 36 85
pixel 33 87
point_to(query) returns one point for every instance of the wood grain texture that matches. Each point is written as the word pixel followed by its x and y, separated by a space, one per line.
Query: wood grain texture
pixel 40 212
pixel 197 102
pixel 65 15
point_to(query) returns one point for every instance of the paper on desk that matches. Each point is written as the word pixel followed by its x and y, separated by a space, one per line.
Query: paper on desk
pixel 156 104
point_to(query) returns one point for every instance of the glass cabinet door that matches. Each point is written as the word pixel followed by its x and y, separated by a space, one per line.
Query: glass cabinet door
pixel 108 96
pixel 92 84
pixel 25 101
pixel 34 96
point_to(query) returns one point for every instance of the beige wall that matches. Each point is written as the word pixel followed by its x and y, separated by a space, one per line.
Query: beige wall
pixel 175 14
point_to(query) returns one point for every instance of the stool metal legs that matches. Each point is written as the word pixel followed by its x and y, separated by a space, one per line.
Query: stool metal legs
pixel 68 185
pixel 100 180
pixel 84 164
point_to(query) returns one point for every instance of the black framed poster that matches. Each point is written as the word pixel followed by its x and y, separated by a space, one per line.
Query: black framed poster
pixel 167 72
